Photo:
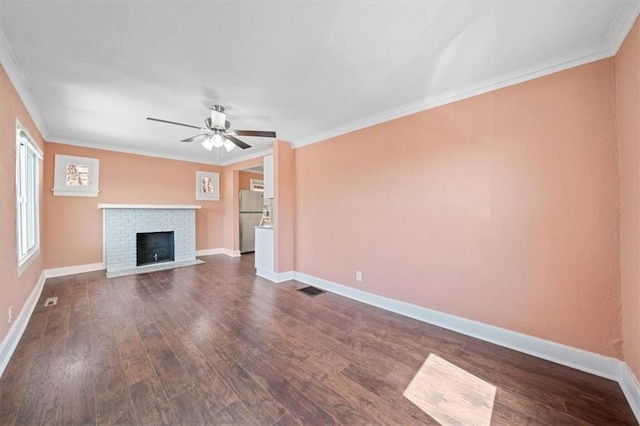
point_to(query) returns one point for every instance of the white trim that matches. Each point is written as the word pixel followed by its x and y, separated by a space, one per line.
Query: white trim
pixel 149 206
pixel 19 82
pixel 72 270
pixel 65 193
pixel 276 277
pixel 10 341
pixel 219 250
pixel 579 359
pixel 231 253
pixel 146 153
pixel 631 388
pixel 249 156
pixel 618 31
pixel 210 252
pixel 622 24
pixel 589 362
pixel 29 144
pixel 27 260
pixel 520 76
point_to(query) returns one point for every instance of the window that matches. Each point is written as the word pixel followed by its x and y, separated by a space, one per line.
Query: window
pixel 76 176
pixel 256 185
pixel 28 156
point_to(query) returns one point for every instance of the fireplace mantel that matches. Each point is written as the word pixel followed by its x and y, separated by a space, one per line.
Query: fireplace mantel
pixel 149 206
pixel 123 222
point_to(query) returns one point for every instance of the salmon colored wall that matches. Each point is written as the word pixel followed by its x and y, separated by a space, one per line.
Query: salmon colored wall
pixel 283 199
pixel 627 75
pixel 502 208
pixel 73 225
pixel 229 190
pixel 245 179
pixel 14 289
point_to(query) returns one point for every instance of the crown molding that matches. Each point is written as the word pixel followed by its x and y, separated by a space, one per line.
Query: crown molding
pixel 10 65
pixel 619 29
pixel 520 76
pixel 621 25
pixel 615 36
pixel 148 153
pixel 246 157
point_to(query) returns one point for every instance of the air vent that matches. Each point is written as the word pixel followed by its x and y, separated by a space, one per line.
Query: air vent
pixel 311 291
pixel 51 301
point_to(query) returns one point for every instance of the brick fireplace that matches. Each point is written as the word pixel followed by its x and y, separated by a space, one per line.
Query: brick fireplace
pixel 122 224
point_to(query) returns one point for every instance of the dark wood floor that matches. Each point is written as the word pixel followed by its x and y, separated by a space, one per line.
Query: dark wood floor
pixel 214 344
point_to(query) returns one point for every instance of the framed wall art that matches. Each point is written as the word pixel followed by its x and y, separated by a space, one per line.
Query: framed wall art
pixel 207 186
pixel 76 176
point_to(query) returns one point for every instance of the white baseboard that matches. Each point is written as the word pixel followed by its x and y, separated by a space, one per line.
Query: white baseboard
pixel 599 365
pixel 71 270
pixel 631 388
pixel 579 359
pixel 10 341
pixel 221 250
pixel 276 277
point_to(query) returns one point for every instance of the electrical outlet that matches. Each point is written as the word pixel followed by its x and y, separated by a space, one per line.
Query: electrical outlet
pixel 10 314
pixel 358 276
pixel 51 301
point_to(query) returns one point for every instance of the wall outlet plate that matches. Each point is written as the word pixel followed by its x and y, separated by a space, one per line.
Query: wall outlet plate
pixel 358 276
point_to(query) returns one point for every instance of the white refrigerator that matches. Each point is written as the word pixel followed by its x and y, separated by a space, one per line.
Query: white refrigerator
pixel 251 206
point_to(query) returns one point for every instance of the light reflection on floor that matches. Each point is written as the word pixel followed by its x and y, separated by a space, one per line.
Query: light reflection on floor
pixel 451 395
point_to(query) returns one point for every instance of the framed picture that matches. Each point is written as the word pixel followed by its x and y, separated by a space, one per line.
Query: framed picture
pixel 76 176
pixel 207 186
pixel 256 185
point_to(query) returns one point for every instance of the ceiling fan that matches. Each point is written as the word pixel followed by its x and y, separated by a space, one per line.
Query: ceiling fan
pixel 216 131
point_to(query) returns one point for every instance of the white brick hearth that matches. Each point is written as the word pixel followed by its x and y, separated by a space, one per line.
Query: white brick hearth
pixel 123 221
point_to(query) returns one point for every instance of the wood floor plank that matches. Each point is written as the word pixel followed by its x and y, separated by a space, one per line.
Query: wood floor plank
pixel 294 401
pixel 255 398
pixel 215 344
pixel 113 398
pixel 236 414
pixel 190 408
pixel 287 420
pixel 78 399
pixel 332 402
pixel 150 403
pixel 170 373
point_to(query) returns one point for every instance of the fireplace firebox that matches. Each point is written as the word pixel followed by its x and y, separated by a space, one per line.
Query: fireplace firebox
pixel 154 247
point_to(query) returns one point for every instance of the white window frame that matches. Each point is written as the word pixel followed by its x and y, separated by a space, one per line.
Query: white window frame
pixel 60 187
pixel 210 196
pixel 28 193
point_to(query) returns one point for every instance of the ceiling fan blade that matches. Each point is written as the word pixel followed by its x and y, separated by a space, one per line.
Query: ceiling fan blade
pixel 261 133
pixel 173 122
pixel 193 138
pixel 237 142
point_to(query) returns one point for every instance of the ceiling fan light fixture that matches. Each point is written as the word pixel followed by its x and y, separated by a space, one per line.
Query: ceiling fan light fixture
pixel 217 140
pixel 228 145
pixel 207 144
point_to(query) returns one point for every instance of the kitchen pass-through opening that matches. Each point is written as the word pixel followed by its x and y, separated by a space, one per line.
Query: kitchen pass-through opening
pixel 154 247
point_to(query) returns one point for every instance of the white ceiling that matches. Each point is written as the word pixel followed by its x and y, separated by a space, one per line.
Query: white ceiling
pixel 90 72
